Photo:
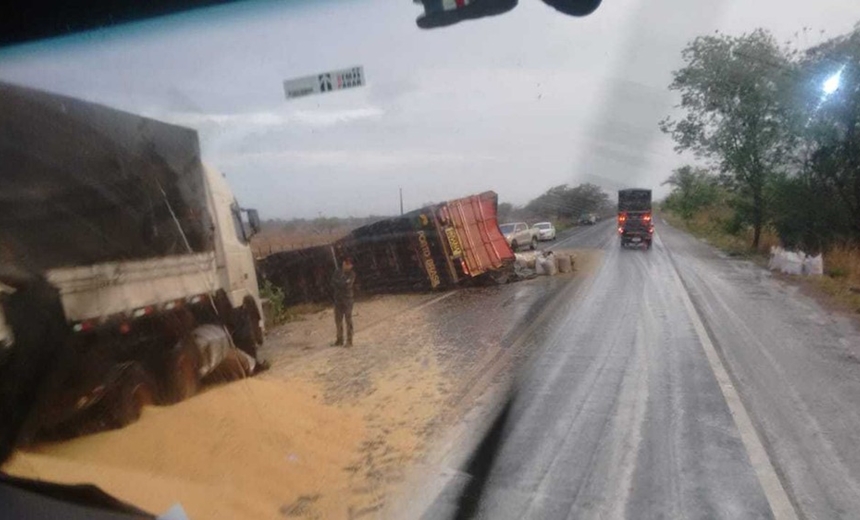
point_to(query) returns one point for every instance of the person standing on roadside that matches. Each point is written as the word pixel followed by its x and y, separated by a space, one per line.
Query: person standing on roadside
pixel 342 284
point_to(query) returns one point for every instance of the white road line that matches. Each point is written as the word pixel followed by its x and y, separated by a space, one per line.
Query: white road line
pixel 776 495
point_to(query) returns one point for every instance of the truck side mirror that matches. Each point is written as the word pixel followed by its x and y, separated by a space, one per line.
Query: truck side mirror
pixel 254 221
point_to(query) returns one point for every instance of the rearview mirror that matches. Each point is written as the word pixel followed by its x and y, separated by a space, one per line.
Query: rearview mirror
pixel 442 14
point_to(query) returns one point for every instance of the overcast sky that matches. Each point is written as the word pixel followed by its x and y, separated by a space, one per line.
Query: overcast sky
pixel 516 103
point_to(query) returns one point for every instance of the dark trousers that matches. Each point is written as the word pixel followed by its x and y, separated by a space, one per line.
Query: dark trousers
pixel 343 312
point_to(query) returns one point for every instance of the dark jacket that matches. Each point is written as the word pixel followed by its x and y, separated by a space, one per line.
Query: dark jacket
pixel 342 284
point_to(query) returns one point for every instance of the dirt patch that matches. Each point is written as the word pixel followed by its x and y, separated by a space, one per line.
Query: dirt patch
pixel 833 295
pixel 327 432
pixel 325 435
pixel 313 334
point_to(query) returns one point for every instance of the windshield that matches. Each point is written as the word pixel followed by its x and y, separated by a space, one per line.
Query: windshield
pixel 433 259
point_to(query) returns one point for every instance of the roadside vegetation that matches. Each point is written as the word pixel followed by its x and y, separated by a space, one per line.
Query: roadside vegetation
pixel 775 131
pixel 562 205
pixel 277 312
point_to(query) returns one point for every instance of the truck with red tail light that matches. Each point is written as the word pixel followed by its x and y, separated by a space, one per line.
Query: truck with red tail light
pixel 635 226
pixel 145 248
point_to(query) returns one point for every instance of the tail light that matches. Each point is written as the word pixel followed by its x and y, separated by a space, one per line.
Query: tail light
pixel 143 311
pixel 647 217
pixel 84 326
pixel 620 230
pixel 651 230
pixel 622 217
pixel 196 299
pixel 173 305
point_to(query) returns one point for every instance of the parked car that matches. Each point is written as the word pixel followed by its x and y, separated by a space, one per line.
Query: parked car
pixel 588 219
pixel 519 234
pixel 546 231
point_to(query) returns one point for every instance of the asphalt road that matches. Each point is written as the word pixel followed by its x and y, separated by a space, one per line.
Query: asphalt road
pixel 678 383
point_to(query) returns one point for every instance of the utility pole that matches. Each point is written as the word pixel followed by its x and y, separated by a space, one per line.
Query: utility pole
pixel 401 201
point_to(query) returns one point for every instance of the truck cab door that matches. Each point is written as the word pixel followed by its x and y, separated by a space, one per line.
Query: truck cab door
pixel 236 270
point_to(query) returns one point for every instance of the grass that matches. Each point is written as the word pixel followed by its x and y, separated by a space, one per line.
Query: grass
pixel 841 280
pixel 277 312
pixel 711 225
pixel 842 276
pixel 291 314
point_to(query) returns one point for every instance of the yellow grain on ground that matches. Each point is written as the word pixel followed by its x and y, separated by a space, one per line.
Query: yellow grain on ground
pixel 329 434
pixel 245 450
pixel 258 448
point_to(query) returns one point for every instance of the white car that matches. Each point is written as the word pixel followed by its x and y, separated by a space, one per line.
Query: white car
pixel 519 234
pixel 545 230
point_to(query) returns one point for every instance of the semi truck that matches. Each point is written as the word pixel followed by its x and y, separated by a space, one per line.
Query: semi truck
pixel 435 247
pixel 634 218
pixel 145 247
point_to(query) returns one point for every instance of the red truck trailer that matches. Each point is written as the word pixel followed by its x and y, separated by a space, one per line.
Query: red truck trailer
pixel 435 247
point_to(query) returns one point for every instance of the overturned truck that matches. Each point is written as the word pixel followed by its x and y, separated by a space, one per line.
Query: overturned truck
pixel 435 247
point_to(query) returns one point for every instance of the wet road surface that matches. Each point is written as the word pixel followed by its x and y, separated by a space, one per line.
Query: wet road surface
pixel 678 383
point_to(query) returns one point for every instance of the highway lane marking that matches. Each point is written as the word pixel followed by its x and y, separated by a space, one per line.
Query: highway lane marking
pixel 774 492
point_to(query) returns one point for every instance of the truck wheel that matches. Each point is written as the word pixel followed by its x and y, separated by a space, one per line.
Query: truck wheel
pixel 515 246
pixel 648 245
pixel 136 390
pixel 183 372
pixel 534 244
pixel 248 333
pixel 254 314
pixel 231 368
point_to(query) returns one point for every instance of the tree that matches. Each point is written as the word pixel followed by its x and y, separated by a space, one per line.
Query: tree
pixel 549 203
pixel 692 189
pixel 328 224
pixel 585 198
pixel 831 133
pixel 563 202
pixel 732 92
pixel 505 211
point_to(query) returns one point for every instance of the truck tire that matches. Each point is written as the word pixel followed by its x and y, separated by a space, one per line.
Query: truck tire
pixel 136 390
pixel 248 334
pixel 254 313
pixel 534 244
pixel 183 372
pixel 232 368
pixel 648 245
pixel 515 246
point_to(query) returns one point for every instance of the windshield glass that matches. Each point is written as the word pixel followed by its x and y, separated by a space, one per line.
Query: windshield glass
pixel 277 260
